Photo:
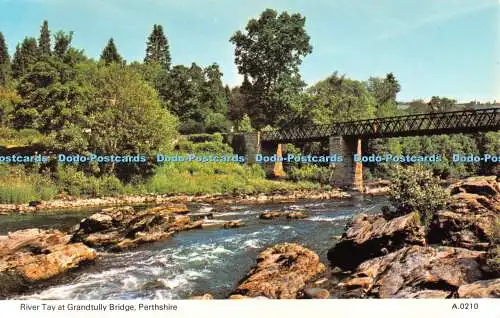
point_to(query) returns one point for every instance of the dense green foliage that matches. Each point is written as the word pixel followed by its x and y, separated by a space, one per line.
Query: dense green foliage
pixel 415 189
pixel 4 62
pixel 110 53
pixel 158 50
pixel 55 99
pixel 268 53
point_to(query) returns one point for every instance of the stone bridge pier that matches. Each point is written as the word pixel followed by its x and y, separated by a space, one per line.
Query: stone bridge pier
pixel 346 174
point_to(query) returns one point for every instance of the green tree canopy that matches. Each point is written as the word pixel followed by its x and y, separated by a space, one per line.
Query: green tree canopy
pixel 197 97
pixel 158 50
pixel 268 52
pixel 44 39
pixel 340 99
pixel 110 53
pixel 25 56
pixel 127 118
pixel 4 61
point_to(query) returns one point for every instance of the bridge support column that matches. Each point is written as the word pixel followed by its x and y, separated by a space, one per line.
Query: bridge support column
pixel 246 144
pixel 347 174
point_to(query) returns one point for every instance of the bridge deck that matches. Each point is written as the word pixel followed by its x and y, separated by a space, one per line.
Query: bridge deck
pixel 467 121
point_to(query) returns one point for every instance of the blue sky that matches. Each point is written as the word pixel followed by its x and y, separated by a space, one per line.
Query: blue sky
pixel 434 47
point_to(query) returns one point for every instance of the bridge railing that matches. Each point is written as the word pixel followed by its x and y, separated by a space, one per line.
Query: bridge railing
pixel 408 125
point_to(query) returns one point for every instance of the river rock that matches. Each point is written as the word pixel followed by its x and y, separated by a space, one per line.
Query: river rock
pixel 473 231
pixel 485 186
pixel 281 272
pixel 233 224
pixel 203 297
pixel 369 236
pixel 296 215
pixel 481 289
pixel 267 215
pixel 416 272
pixel 316 293
pixel 33 256
pixel 32 240
pixel 471 218
pixel 122 227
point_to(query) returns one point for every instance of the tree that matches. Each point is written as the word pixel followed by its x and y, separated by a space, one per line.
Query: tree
pixel 8 100
pixel 337 98
pixel 44 39
pixel 4 62
pixel 157 50
pixel 270 50
pixel 245 125
pixel 55 100
pixel 110 53
pixel 62 43
pixel 25 56
pixel 384 90
pixel 197 96
pixel 128 119
pixel 441 104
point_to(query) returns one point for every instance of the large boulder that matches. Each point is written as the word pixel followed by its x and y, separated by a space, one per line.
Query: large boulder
pixel 33 256
pixel 473 231
pixel 31 240
pixel 369 236
pixel 481 289
pixel 122 227
pixel 471 218
pixel 486 186
pixel 281 272
pixel 415 272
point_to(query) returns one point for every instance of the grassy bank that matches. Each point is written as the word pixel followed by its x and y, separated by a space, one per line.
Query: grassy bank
pixel 18 185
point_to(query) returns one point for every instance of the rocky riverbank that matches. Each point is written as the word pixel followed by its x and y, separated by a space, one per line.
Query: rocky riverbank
pixel 457 256
pixel 399 258
pixel 33 257
pixel 213 199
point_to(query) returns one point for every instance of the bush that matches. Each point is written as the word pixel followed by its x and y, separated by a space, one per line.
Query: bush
pixel 310 172
pixel 16 186
pixel 416 189
pixel 77 183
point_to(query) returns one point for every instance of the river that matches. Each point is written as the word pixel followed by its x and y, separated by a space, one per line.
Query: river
pixel 196 262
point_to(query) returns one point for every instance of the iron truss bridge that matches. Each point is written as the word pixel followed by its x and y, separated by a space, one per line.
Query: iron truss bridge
pixel 466 121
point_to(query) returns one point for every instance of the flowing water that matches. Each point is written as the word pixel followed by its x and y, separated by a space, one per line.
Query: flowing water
pixel 210 260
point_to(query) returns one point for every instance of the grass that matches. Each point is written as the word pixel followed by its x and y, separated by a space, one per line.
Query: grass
pixel 18 187
pixel 210 178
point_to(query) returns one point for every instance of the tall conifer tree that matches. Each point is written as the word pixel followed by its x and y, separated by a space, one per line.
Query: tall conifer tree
pixel 4 61
pixel 158 50
pixel 26 54
pixel 110 53
pixel 44 39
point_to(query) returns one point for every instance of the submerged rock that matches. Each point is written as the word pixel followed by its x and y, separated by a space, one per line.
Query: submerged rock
pixel 369 236
pixel 233 224
pixel 33 256
pixel 296 215
pixel 267 215
pixel 281 272
pixel 416 272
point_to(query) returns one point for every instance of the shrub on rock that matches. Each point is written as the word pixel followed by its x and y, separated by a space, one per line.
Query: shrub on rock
pixel 415 189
